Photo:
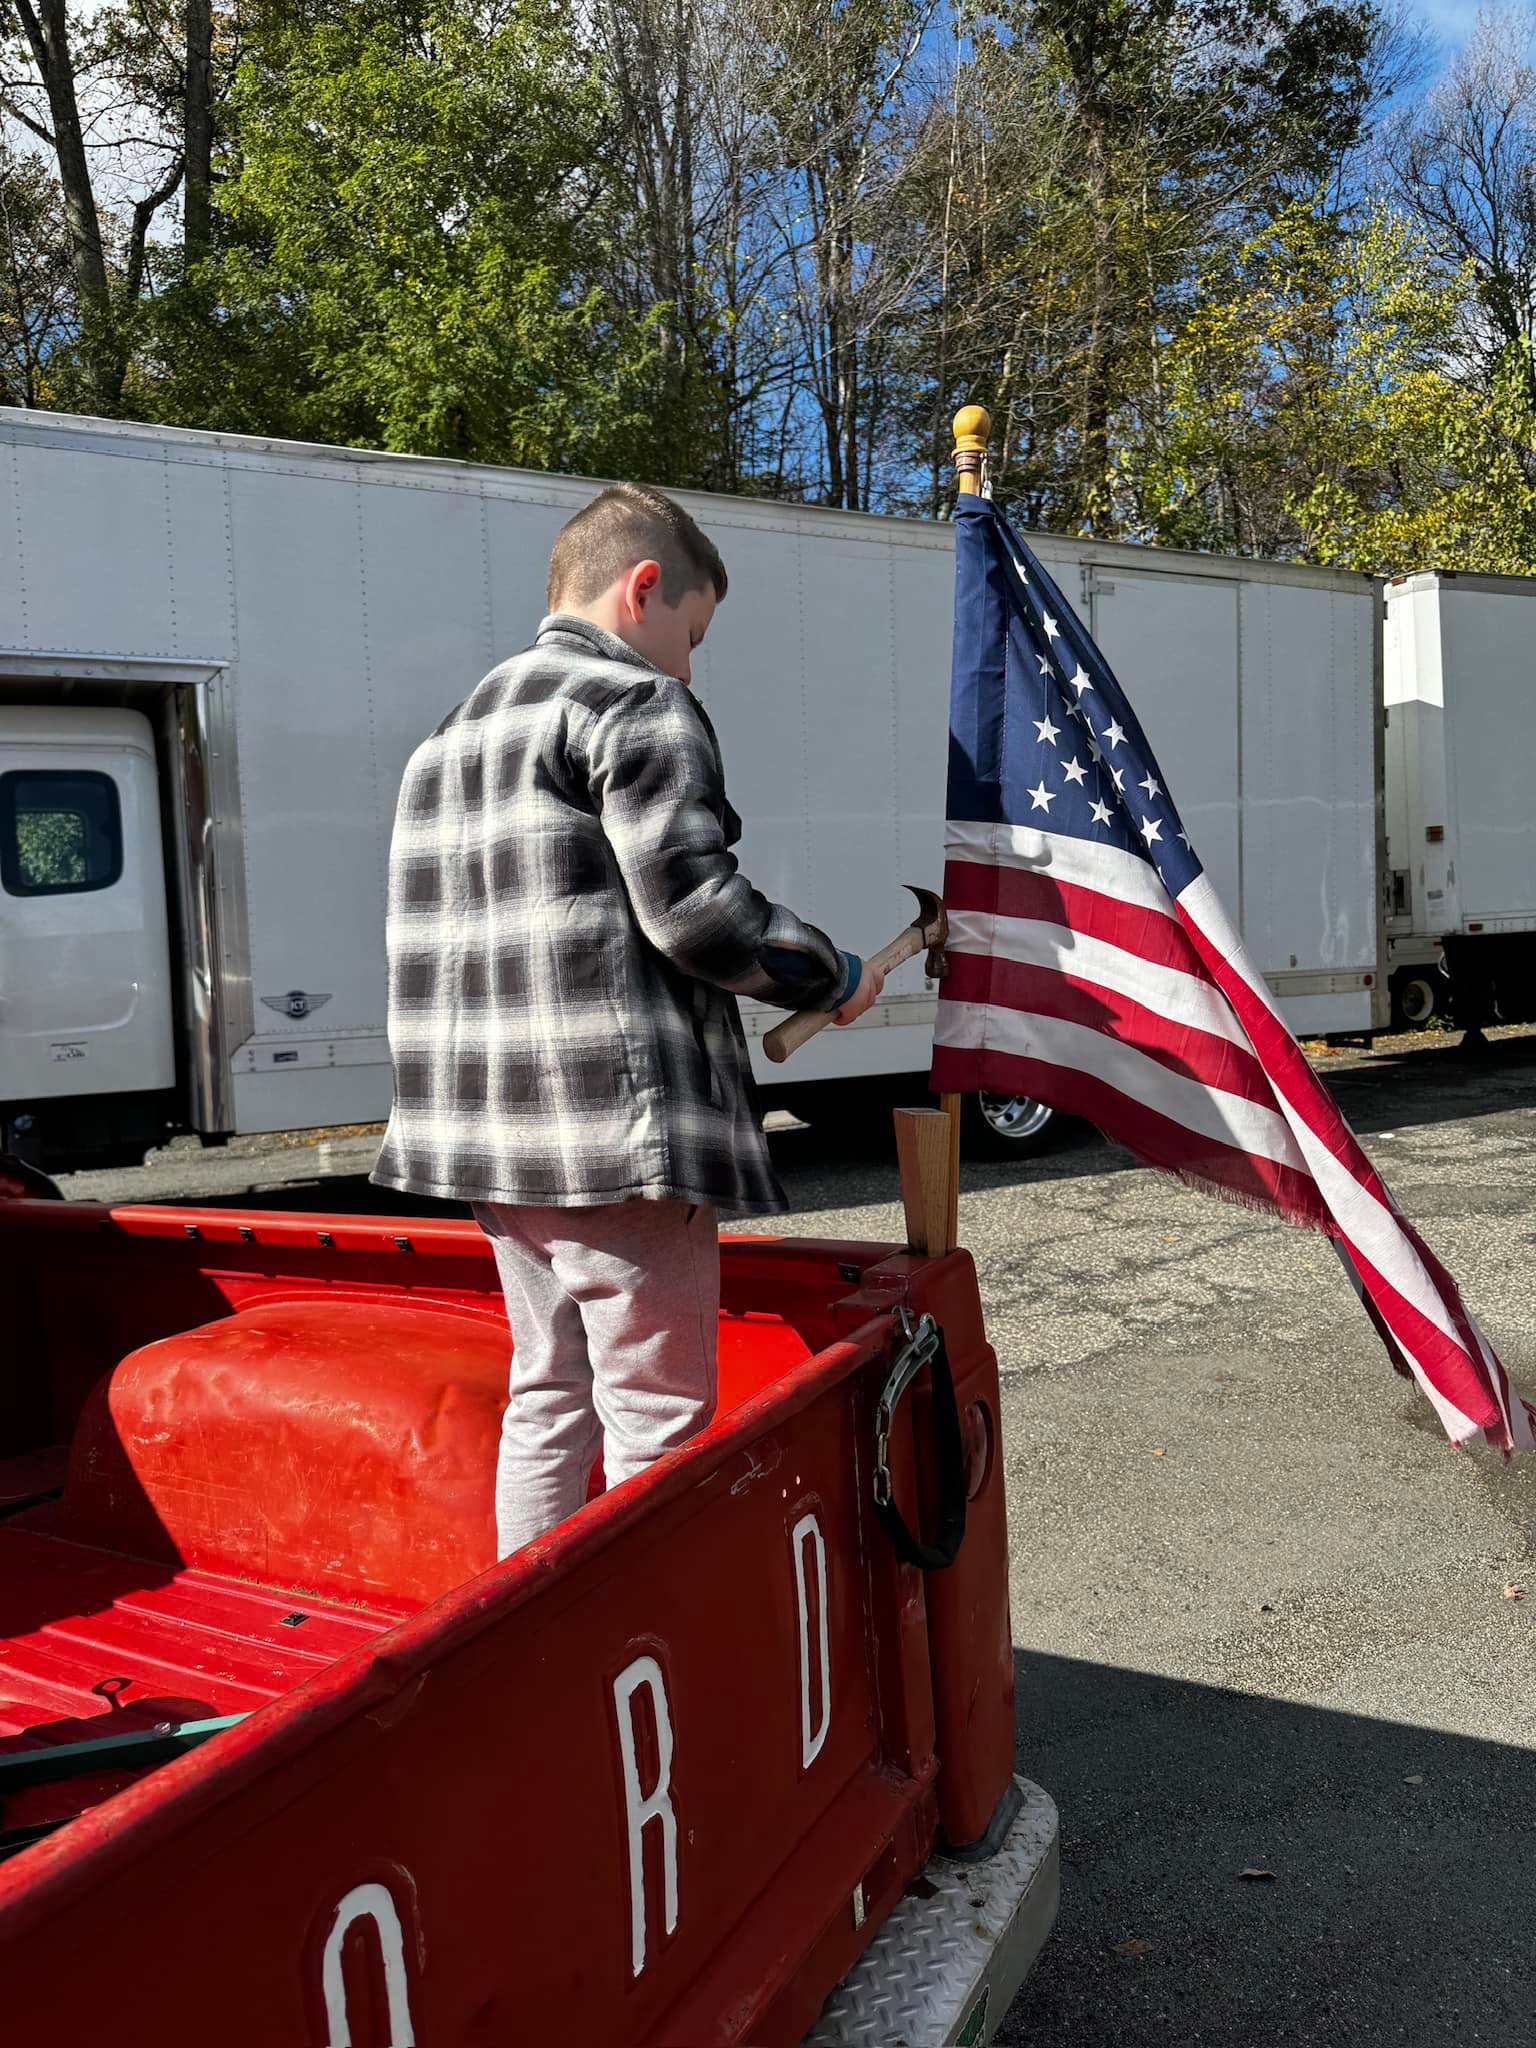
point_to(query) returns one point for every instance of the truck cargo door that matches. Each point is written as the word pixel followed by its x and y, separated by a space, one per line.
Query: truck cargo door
pixel 85 981
pixel 1173 643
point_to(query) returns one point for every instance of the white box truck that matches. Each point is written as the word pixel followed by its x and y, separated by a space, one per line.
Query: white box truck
pixel 217 654
pixel 1460 686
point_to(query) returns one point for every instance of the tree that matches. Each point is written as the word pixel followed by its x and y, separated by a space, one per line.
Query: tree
pixel 37 301
pixel 830 78
pixel 1169 126
pixel 1314 409
pixel 687 176
pixel 127 97
pixel 198 134
pixel 648 52
pixel 989 218
pixel 44 29
pixel 770 245
pixel 403 264
pixel 1465 164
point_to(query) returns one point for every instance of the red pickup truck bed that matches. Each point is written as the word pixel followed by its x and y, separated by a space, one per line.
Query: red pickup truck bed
pixel 94 1646
pixel 658 1778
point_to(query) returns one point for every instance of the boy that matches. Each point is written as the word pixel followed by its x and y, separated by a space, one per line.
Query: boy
pixel 567 936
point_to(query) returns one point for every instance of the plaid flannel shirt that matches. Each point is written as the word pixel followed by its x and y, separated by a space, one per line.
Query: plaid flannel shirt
pixel 567 935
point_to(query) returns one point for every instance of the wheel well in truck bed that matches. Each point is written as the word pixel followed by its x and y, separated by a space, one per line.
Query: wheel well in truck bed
pixel 309 1403
pixel 344 1446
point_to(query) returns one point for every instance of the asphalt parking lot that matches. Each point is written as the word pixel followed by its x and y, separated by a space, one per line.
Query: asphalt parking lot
pixel 1266 1620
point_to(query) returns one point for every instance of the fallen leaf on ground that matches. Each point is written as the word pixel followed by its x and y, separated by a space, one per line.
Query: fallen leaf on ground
pixel 1266 1874
pixel 1158 1451
pixel 1133 1948
pixel 1514 1592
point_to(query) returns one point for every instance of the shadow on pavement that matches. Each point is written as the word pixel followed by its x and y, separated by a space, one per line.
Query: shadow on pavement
pixel 1403 1861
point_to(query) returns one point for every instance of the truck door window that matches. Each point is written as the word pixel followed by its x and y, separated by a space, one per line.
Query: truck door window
pixel 61 831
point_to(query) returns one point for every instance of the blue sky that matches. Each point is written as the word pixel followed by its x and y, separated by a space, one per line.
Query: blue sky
pixel 1450 20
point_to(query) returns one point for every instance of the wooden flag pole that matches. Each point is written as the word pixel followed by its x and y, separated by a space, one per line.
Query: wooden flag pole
pixel 972 431
pixel 928 1140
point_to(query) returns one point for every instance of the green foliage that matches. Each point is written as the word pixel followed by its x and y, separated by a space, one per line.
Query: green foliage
pixel 402 267
pixel 1261 87
pixel 1315 408
pixel 770 245
pixel 36 290
pixel 1169 130
pixel 50 847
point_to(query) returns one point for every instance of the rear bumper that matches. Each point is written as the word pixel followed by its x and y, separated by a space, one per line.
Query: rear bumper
pixel 945 1967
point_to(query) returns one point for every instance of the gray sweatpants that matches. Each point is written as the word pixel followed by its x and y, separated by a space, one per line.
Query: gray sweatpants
pixel 614 1313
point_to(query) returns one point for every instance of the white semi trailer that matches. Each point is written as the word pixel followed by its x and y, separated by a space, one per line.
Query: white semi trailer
pixel 217 654
pixel 1460 685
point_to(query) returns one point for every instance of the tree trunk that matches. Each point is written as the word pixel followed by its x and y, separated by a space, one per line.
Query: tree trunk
pixel 143 213
pixel 824 324
pixel 730 370
pixel 1086 51
pixel 849 401
pixel 650 51
pixel 197 153
pixel 47 33
pixel 938 438
pixel 1094 426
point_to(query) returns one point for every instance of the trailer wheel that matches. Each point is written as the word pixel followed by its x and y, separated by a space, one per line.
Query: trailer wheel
pixel 1416 996
pixel 1006 1126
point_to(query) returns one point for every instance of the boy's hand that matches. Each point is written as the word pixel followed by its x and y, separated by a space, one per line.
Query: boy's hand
pixel 871 981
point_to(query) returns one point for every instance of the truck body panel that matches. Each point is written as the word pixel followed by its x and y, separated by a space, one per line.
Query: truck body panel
pixel 1460 692
pixel 85 971
pixel 1461 698
pixel 1260 693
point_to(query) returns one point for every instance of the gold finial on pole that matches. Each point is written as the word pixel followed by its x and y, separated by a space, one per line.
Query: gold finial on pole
pixel 972 431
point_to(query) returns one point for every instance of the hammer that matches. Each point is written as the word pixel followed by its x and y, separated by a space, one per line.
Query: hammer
pixel 929 928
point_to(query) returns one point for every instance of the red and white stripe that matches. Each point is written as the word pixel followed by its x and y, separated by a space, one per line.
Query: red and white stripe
pixel 1075 978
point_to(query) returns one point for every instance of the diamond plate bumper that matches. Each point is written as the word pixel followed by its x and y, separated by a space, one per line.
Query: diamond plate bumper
pixel 945 1968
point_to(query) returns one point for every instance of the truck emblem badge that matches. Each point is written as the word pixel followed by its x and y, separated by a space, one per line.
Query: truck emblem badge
pixel 297 1003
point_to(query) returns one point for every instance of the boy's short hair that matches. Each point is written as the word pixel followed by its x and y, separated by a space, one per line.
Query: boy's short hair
pixel 625 524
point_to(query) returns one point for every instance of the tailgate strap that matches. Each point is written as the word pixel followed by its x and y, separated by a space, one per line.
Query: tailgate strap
pixel 924 1346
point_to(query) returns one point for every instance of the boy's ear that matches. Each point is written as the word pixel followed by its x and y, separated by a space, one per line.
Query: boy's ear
pixel 640 585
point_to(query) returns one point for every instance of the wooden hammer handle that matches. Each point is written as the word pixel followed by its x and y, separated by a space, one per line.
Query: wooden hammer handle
pixel 794 1032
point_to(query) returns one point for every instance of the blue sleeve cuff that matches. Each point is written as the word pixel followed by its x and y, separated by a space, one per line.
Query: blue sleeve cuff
pixel 788 965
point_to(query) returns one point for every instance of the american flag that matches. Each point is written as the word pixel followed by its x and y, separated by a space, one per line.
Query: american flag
pixel 1093 968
